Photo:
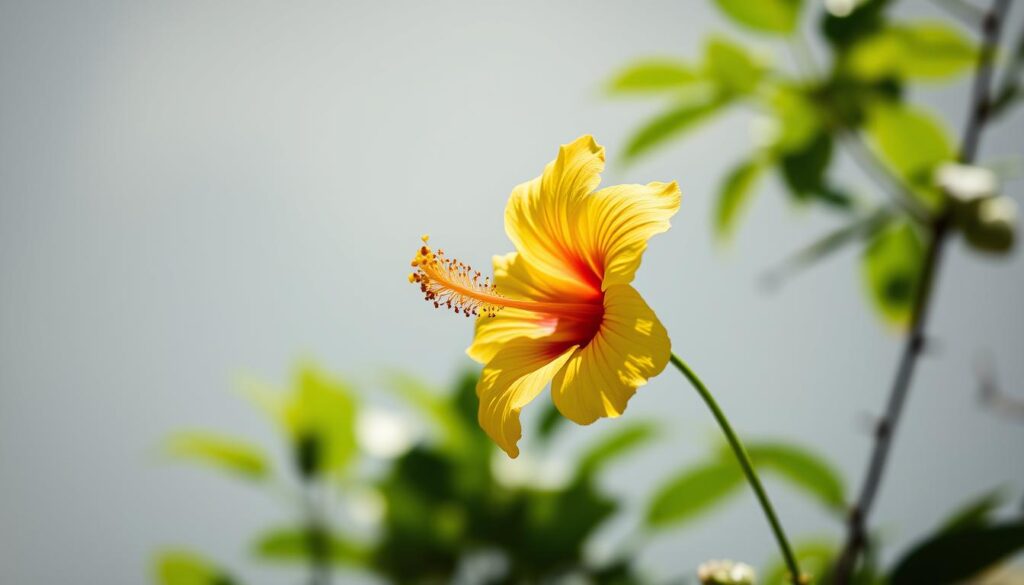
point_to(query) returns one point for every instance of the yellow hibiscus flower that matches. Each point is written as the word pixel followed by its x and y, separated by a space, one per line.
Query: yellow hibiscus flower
pixel 561 308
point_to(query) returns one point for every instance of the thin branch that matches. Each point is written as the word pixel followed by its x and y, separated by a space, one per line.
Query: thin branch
pixel 857 523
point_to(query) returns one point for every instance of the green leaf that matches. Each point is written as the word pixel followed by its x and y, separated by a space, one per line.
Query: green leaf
pixel 185 568
pixel 653 75
pixel 768 16
pixel 926 50
pixel 432 403
pixel 891 267
pixel 952 557
pixel 804 169
pixel 845 31
pixel 734 196
pixel 321 411
pixel 294 545
pixel 731 66
pixel 670 124
pixel 693 492
pixel 976 513
pixel 814 558
pixel 797 116
pixel 800 467
pixel 221 452
pixel 616 444
pixel 913 143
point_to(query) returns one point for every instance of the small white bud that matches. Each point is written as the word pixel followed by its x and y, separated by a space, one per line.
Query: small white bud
pixel 725 572
pixel 1001 210
pixel 966 183
pixel 840 8
pixel 384 434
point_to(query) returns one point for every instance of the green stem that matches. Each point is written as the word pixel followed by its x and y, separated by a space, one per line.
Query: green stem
pixel 748 467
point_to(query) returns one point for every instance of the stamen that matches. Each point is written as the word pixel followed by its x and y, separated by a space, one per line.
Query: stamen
pixel 447 282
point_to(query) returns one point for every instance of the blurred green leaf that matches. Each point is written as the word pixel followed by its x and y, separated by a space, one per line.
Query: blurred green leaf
pixel 951 557
pixel 731 66
pixel 913 143
pixel 976 513
pixel 814 557
pixel 550 420
pixel 185 568
pixel 734 196
pixel 679 119
pixel 866 19
pixel 221 452
pixel 616 444
pixel 891 267
pixel 293 545
pixel 693 492
pixel 797 116
pixel 798 466
pixel 321 410
pixel 925 50
pixel 804 169
pixel 767 16
pixel 654 75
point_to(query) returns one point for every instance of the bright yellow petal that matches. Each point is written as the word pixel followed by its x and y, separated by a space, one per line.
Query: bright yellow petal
pixel 630 347
pixel 617 223
pixel 492 333
pixel 514 377
pixel 541 216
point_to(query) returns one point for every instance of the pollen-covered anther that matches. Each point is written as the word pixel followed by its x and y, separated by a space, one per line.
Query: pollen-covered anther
pixel 450 283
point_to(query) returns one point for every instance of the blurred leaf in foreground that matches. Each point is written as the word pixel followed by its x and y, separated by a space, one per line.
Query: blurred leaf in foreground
pixel 913 143
pixel 185 568
pixel 293 545
pixel 800 468
pixel 693 492
pixel 615 444
pixel 767 16
pixel 734 196
pixel 951 557
pixel 731 66
pixel 925 50
pixel 814 556
pixel 891 267
pixel 221 452
pixel 678 119
pixel 654 75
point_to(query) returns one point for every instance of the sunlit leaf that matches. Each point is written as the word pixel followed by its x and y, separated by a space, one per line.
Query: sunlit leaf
pixel 654 75
pixel 769 16
pixel 295 545
pixel 926 50
pixel 974 514
pixel 913 143
pixel 797 117
pixel 670 124
pixel 221 452
pixel 693 492
pixel 734 196
pixel 185 568
pixel 800 468
pixel 951 557
pixel 321 412
pixel 731 66
pixel 615 444
pixel 814 558
pixel 891 267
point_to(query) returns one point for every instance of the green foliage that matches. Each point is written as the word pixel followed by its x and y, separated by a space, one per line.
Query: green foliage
pixel 766 16
pixel 925 50
pixel 734 196
pixel 295 545
pixel 814 556
pixel 620 442
pixel 951 557
pixel 913 143
pixel 733 69
pixel 694 491
pixel 654 75
pixel 175 567
pixel 223 453
pixel 675 121
pixel 892 269
pixel 974 514
pixel 800 468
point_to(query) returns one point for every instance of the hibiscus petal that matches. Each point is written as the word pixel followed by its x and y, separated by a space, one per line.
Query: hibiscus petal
pixel 492 333
pixel 618 221
pixel 630 346
pixel 514 377
pixel 541 216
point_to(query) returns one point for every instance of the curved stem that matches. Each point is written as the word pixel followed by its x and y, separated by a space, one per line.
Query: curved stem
pixel 748 467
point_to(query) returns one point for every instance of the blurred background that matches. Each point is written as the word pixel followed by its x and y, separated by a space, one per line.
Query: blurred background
pixel 195 193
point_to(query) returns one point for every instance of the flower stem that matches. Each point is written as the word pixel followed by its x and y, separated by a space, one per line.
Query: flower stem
pixel 748 467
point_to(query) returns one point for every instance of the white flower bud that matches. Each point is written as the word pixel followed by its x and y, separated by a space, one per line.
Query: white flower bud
pixel 725 572
pixel 966 183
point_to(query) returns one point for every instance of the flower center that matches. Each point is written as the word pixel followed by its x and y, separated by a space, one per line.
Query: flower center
pixel 455 285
